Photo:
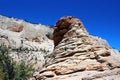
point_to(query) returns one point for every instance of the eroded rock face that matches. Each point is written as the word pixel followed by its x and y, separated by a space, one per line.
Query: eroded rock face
pixel 80 56
pixel 63 25
pixel 27 42
pixel 16 27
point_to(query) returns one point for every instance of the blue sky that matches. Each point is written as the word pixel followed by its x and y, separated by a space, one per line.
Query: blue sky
pixel 100 17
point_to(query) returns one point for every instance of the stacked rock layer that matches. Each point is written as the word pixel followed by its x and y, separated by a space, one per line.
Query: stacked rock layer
pixel 80 56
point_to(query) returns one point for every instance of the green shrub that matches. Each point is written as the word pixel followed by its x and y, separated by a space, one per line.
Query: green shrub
pixel 22 71
pixel 10 70
pixel 6 63
pixel 2 75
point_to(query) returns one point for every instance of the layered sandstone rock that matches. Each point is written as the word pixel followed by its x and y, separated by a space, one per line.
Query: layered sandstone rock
pixel 80 56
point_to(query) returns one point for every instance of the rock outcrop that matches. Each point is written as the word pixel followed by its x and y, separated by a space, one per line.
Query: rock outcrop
pixel 62 26
pixel 27 42
pixel 73 54
pixel 79 55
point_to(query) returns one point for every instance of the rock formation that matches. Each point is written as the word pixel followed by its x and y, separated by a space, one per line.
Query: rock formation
pixel 73 54
pixel 79 55
pixel 27 42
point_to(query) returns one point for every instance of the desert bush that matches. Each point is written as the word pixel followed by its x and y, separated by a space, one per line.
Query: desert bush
pixel 22 71
pixel 6 63
pixel 10 70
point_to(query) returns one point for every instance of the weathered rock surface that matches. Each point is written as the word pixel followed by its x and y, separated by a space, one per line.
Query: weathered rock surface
pixel 27 42
pixel 80 56
pixel 77 55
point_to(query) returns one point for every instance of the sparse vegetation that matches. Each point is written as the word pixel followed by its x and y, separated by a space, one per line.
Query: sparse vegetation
pixel 22 71
pixel 10 70
pixel 84 41
pixel 5 64
pixel 44 51
pixel 26 50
